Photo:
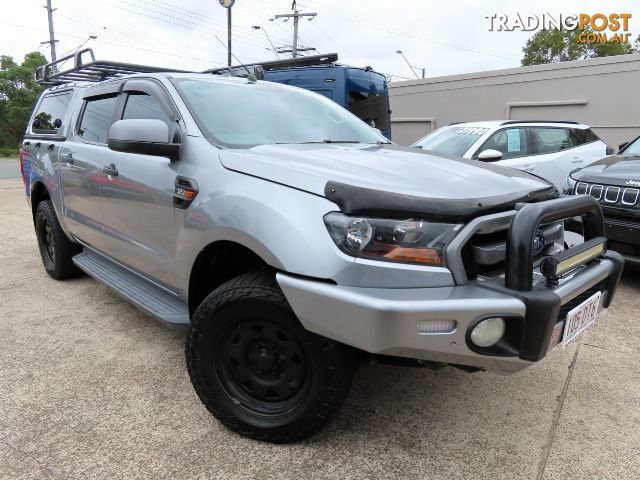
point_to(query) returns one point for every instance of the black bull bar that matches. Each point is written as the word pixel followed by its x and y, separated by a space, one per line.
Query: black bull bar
pixel 519 263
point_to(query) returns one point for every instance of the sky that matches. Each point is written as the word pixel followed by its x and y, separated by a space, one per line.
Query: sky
pixel 444 37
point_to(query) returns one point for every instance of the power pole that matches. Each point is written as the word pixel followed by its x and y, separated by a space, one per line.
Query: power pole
pixel 52 38
pixel 296 17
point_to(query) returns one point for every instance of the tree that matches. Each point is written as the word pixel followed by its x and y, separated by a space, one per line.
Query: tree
pixel 550 46
pixel 18 94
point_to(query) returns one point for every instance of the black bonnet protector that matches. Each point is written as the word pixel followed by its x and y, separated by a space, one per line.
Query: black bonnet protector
pixel 355 200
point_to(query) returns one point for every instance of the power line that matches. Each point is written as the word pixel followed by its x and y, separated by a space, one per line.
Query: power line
pixel 296 15
pixel 353 18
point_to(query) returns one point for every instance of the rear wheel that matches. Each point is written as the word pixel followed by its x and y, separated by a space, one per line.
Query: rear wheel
pixel 55 248
pixel 257 369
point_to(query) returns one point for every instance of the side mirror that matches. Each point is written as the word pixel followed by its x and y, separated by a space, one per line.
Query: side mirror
pixel 609 150
pixel 145 136
pixel 490 155
pixel 622 145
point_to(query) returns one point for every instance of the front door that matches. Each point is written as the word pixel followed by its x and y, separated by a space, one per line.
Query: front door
pixel 137 201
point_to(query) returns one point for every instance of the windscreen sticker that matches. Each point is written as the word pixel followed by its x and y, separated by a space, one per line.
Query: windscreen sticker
pixel 513 139
pixel 472 131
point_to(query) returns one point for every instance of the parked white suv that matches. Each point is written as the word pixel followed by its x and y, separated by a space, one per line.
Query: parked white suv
pixel 546 148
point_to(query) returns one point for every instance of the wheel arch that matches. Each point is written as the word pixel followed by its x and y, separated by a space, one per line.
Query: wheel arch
pixel 39 193
pixel 217 263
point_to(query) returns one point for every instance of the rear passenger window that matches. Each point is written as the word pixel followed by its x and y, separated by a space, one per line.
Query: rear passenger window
pixel 96 119
pixel 51 112
pixel 550 140
pixel 141 105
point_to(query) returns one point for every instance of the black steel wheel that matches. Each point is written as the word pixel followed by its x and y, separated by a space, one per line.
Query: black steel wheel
pixel 55 248
pixel 264 365
pixel 257 369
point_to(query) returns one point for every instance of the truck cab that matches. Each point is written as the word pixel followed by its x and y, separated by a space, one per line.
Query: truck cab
pixel 362 91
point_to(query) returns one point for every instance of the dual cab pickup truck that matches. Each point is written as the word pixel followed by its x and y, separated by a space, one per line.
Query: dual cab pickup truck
pixel 291 238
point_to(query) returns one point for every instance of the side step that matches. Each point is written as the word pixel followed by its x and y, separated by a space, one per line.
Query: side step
pixel 143 294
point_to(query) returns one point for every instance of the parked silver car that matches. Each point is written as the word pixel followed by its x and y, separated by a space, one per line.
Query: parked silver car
pixel 290 238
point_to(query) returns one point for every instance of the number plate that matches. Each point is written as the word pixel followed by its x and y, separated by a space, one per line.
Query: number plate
pixel 580 319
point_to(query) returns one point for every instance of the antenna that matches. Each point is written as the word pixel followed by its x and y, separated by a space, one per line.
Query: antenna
pixel 251 77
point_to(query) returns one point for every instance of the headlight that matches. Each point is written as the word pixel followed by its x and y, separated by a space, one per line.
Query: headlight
pixel 570 185
pixel 407 241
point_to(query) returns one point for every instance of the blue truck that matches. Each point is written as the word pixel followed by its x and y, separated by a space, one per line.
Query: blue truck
pixel 362 91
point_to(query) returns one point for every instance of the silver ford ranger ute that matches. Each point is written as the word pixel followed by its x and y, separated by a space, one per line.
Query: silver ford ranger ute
pixel 291 239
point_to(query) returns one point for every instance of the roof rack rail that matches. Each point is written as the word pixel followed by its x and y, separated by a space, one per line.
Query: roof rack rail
pixel 258 67
pixel 509 122
pixel 93 71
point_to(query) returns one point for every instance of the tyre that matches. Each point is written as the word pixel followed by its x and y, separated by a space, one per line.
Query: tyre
pixel 55 248
pixel 255 367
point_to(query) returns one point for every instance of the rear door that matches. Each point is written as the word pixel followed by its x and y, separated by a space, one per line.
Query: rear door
pixel 80 165
pixel 556 152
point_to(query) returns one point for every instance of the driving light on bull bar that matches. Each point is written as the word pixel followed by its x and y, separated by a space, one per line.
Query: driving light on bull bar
pixel 406 241
pixel 488 332
pixel 557 265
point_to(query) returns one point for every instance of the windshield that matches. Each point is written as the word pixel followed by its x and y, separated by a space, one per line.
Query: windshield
pixel 243 114
pixel 451 140
pixel 633 148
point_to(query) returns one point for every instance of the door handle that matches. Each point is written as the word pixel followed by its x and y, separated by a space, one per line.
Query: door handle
pixel 50 147
pixel 37 145
pixel 110 170
pixel 528 168
pixel 577 161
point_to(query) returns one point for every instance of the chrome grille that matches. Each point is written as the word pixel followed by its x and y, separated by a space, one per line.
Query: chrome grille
pixel 609 194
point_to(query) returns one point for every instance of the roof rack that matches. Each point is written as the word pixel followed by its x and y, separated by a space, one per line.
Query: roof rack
pixel 258 67
pixel 509 122
pixel 93 71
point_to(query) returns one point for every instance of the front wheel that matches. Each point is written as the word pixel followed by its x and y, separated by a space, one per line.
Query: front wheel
pixel 255 367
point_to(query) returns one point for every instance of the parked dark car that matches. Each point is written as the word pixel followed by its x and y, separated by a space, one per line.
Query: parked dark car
pixel 615 182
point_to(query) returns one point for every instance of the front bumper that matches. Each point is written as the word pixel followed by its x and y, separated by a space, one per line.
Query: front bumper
pixel 386 320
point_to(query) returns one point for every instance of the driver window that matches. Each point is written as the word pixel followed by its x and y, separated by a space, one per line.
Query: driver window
pixel 141 105
pixel 511 142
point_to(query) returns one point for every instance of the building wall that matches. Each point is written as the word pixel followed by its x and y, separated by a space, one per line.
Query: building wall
pixel 600 92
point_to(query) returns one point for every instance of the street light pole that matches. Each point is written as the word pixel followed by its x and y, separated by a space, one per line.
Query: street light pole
pixel 228 4
pixel 258 27
pixel 229 35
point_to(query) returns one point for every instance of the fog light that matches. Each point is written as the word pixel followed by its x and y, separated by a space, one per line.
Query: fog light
pixel 488 332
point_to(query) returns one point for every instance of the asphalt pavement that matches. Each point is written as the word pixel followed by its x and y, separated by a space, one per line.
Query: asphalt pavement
pixel 92 388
